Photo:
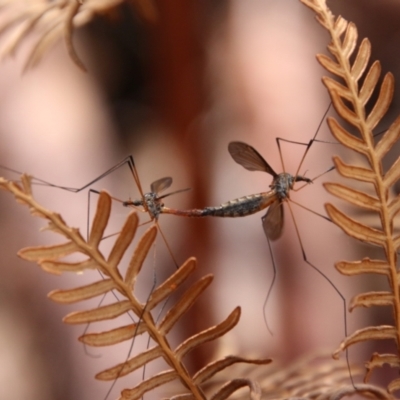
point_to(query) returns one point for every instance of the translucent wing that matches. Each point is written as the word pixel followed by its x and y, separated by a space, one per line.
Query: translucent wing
pixel 161 184
pixel 272 221
pixel 249 158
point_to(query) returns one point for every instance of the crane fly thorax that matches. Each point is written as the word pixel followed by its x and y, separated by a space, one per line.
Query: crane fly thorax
pixel 282 184
pixel 152 204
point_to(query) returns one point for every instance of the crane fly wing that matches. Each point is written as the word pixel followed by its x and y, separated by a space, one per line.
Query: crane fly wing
pixel 161 184
pixel 272 221
pixel 249 158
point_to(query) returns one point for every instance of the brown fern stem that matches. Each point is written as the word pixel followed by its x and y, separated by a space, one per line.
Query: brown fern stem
pixel 375 163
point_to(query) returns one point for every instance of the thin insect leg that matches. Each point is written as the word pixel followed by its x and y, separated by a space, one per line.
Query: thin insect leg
pixel 135 333
pixel 130 347
pixel 324 141
pixel 34 181
pixel 116 233
pixel 127 160
pixel 331 284
pixel 308 145
pixel 168 248
pixel 323 173
pixel 88 213
pixel 85 346
pixel 159 314
pixel 132 167
pixel 311 211
pixel 313 139
pixel 270 287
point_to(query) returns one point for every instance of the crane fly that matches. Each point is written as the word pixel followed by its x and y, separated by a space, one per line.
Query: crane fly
pixel 272 221
pixel 249 158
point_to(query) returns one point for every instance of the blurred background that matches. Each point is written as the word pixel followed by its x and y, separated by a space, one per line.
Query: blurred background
pixel 173 86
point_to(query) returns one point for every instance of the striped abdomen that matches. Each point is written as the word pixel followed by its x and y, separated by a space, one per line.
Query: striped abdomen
pixel 235 208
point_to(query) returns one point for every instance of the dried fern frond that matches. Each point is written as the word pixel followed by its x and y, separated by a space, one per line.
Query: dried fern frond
pixel 350 98
pixel 51 259
pixel 314 376
pixel 52 20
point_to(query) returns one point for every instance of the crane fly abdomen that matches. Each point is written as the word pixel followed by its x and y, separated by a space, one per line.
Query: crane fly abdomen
pixel 246 205
pixel 240 207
